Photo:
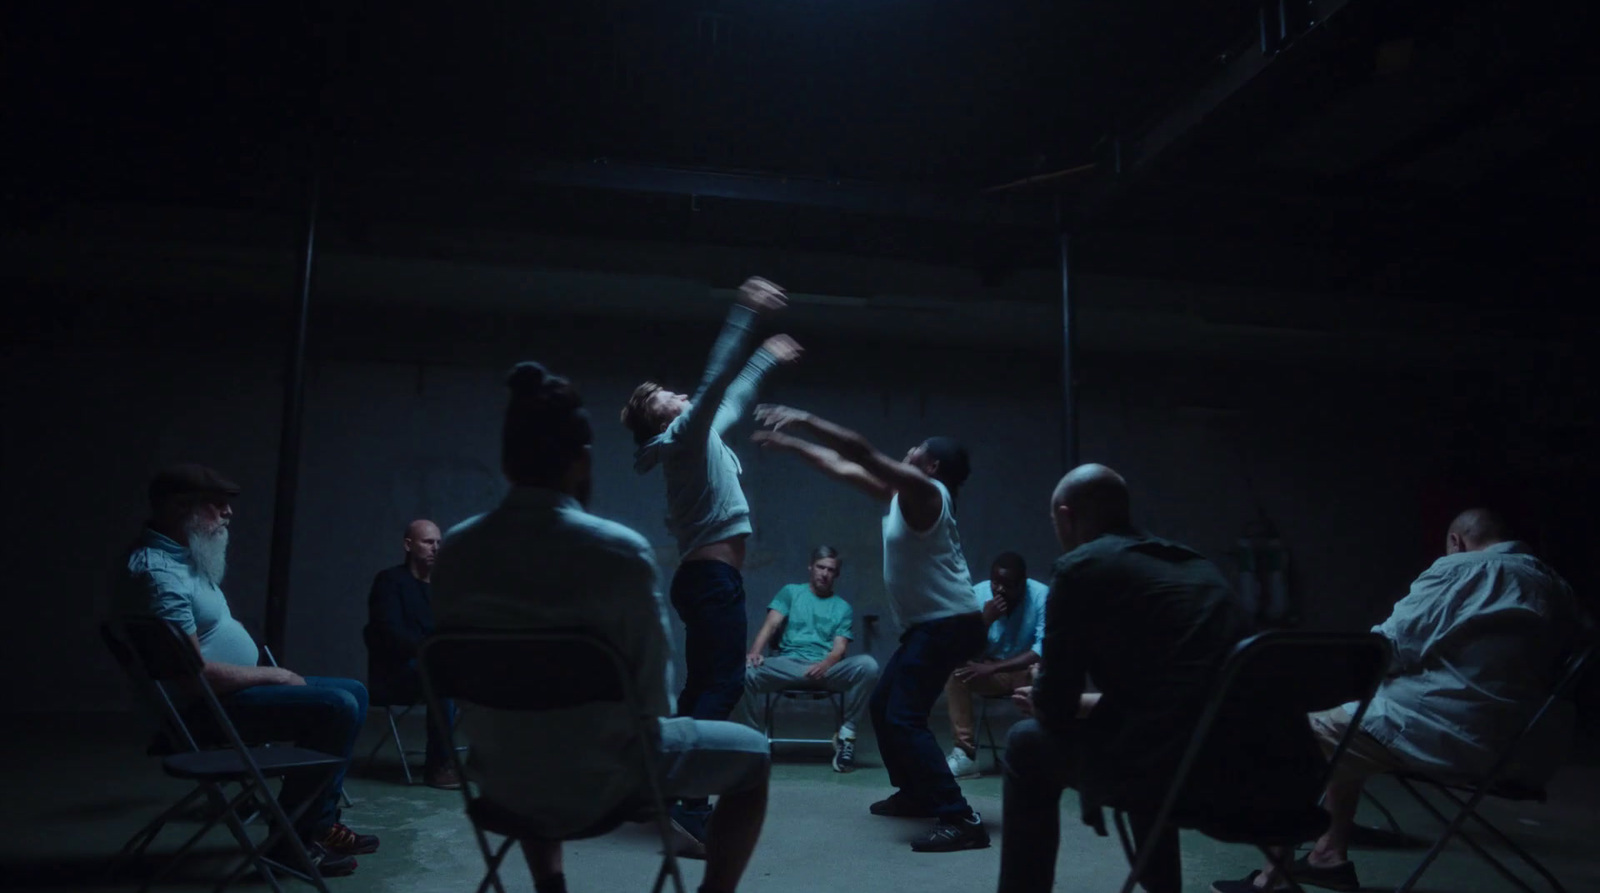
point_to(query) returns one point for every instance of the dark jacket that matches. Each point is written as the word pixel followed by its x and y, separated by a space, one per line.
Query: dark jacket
pixel 399 617
pixel 1151 621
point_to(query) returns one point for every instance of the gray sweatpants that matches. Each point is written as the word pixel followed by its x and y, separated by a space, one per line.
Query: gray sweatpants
pixel 854 676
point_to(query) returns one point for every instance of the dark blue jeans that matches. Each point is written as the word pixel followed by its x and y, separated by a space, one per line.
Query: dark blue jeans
pixel 325 714
pixel 709 599
pixel 910 683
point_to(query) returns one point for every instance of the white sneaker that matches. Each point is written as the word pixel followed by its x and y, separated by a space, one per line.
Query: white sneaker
pixel 961 765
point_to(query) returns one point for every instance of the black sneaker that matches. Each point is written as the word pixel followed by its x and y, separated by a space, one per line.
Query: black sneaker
pixel 844 754
pixel 899 806
pixel 328 864
pixel 948 837
pixel 1332 877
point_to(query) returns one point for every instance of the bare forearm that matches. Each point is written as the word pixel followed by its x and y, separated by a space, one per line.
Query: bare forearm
pixel 836 654
pixel 828 462
pixel 763 636
pixel 1021 662
pixel 846 443
pixel 228 678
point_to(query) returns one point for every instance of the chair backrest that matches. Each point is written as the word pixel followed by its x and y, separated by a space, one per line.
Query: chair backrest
pixel 526 670
pixel 173 732
pixel 165 652
pixel 1291 670
pixel 1305 671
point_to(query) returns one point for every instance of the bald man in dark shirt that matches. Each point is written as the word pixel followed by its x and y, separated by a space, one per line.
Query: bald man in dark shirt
pixel 400 616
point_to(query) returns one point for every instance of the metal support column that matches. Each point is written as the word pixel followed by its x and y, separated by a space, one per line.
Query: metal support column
pixel 294 386
pixel 1069 377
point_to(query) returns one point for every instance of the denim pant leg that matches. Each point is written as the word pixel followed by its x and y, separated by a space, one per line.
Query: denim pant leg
pixel 325 715
pixel 928 654
pixel 1037 769
pixel 709 599
pixel 438 755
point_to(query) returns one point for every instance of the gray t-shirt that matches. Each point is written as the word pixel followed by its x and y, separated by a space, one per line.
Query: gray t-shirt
pixel 161 581
pixel 705 503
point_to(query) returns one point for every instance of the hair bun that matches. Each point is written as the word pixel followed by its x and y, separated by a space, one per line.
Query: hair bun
pixel 527 378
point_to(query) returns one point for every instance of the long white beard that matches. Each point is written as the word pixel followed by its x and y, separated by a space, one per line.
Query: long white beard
pixel 209 549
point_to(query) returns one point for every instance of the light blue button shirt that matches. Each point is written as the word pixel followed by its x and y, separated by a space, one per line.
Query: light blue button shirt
pixel 160 580
pixel 1020 630
pixel 1476 644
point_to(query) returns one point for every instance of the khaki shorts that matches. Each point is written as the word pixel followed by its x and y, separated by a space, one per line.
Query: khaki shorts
pixel 1364 758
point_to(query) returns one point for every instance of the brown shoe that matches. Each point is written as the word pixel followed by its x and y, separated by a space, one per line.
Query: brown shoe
pixel 444 778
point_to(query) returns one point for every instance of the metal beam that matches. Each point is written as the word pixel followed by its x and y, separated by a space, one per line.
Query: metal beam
pixel 289 440
pixel 1069 370
pixel 1134 156
pixel 911 202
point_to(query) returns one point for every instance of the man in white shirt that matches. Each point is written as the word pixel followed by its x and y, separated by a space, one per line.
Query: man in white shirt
pixel 1013 608
pixel 540 560
pixel 930 593
pixel 1477 642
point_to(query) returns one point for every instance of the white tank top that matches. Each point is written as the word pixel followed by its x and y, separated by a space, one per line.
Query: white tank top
pixel 925 573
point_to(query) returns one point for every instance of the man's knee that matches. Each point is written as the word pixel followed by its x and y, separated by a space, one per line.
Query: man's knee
pixel 1029 749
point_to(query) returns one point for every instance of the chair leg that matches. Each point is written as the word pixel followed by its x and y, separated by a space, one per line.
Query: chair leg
pixel 399 745
pixel 988 734
pixel 1453 828
pixel 1280 861
pixel 1384 810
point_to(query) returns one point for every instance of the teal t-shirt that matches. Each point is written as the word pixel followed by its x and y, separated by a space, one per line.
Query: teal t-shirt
pixel 812 623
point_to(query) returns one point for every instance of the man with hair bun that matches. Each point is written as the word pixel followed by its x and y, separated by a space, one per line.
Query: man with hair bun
pixel 541 560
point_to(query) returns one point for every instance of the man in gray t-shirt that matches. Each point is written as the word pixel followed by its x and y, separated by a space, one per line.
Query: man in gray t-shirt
pixel 175 572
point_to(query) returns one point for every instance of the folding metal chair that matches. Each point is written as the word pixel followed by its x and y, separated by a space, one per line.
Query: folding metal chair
pixel 1300 671
pixel 1465 794
pixel 801 694
pixel 986 741
pixel 394 735
pixel 164 655
pixel 554 670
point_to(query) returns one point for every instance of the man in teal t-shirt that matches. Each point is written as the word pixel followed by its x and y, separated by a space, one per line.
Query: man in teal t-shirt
pixel 816 632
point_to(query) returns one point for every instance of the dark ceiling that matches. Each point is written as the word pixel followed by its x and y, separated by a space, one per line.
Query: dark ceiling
pixel 1391 146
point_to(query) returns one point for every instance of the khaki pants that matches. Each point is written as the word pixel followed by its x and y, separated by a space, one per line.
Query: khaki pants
pixel 958 698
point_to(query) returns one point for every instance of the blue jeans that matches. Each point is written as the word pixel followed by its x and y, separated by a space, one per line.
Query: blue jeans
pixel 709 598
pixel 325 714
pixel 916 674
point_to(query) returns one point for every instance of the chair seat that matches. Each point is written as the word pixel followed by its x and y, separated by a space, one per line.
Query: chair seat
pixel 505 822
pixel 807 694
pixel 227 764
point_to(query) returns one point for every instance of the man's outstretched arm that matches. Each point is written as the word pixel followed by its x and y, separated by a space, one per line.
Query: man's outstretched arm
pixel 756 296
pixel 827 461
pixel 919 498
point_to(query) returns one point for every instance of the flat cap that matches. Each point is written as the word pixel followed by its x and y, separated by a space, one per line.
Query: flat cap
pixel 187 478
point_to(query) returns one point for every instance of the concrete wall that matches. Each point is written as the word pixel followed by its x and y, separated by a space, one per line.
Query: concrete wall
pixel 402 421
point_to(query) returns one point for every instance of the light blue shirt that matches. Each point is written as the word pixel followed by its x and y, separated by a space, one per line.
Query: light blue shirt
pixel 539 561
pixel 161 581
pixel 1020 630
pixel 1476 645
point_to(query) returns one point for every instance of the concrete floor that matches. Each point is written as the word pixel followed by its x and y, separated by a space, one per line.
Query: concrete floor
pixel 76 786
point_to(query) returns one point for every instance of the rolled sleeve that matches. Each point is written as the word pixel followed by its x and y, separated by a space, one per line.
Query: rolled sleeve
pixel 161 594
